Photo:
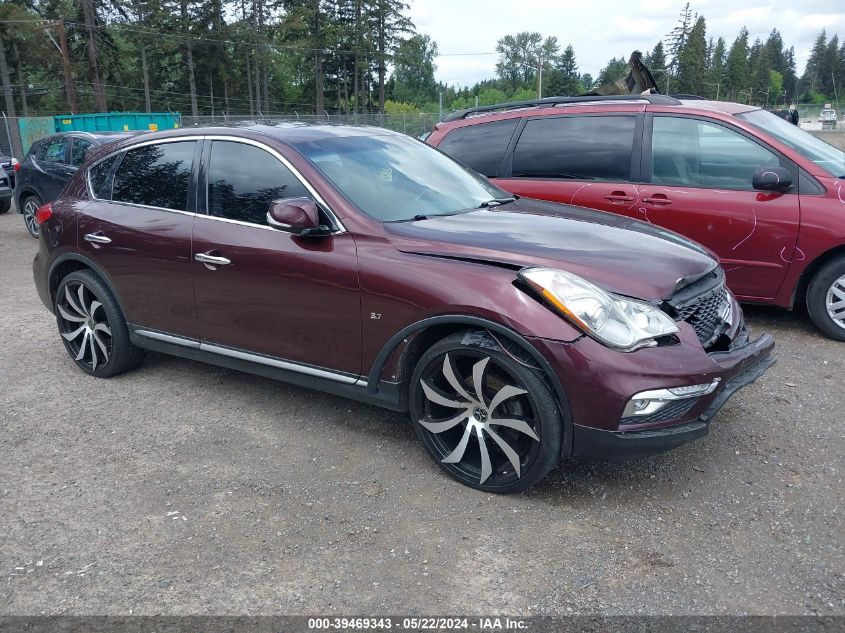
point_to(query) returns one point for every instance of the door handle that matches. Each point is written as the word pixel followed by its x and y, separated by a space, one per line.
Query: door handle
pixel 618 196
pixel 658 198
pixel 97 238
pixel 211 261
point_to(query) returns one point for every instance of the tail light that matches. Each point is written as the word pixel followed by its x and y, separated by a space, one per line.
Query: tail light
pixel 43 213
pixel 17 167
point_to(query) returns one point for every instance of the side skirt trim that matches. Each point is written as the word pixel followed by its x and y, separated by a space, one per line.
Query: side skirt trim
pixel 252 358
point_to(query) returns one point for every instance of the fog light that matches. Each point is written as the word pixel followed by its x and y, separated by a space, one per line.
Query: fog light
pixel 648 402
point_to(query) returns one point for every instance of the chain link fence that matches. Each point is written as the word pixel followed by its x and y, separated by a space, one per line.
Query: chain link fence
pixel 7 147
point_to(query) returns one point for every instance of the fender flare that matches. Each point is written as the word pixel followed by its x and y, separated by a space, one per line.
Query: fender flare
pixel 65 257
pixel 23 193
pixel 390 346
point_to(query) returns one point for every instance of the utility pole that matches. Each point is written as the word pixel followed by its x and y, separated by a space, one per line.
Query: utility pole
pixel 99 95
pixel 17 54
pixel 440 97
pixel 540 76
pixel 70 89
pixel 7 84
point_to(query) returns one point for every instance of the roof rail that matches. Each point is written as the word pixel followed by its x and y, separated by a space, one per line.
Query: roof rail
pixel 688 97
pixel 552 101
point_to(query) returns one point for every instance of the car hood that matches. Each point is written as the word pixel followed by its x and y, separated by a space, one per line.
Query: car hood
pixel 622 255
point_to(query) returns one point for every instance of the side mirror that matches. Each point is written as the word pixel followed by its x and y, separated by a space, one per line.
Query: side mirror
pixel 771 179
pixel 299 216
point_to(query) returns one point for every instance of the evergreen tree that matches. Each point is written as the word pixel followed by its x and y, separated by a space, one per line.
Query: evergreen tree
pixel 692 69
pixel 716 71
pixel 736 67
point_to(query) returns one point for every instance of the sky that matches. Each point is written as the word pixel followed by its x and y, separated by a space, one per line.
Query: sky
pixel 605 29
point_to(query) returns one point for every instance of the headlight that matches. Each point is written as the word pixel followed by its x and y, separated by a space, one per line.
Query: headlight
pixel 615 321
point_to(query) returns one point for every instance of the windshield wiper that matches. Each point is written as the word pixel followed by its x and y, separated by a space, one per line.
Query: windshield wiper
pixel 495 202
pixel 415 218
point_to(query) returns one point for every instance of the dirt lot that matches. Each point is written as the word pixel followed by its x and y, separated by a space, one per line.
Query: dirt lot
pixel 183 488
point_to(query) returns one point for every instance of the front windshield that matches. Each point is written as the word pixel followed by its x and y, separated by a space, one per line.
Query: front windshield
pixel 822 154
pixel 394 177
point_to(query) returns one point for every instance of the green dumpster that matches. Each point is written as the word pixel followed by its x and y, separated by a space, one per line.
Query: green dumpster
pixel 118 121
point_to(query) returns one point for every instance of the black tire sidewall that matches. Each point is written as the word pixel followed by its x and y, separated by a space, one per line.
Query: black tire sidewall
pixel 550 419
pixel 24 202
pixel 817 297
pixel 5 205
pixel 124 355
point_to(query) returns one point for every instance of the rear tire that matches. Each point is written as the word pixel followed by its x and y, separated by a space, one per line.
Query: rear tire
pixel 502 440
pixel 29 205
pixel 5 205
pixel 826 299
pixel 92 326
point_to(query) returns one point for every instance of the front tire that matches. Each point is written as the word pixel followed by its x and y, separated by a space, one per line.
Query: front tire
pixel 29 206
pixel 487 419
pixel 826 299
pixel 92 326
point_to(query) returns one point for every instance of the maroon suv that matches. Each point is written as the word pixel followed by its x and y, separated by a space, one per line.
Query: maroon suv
pixel 367 264
pixel 765 196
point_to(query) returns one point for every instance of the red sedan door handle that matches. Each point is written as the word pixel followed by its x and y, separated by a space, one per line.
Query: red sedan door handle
pixel 618 197
pixel 658 198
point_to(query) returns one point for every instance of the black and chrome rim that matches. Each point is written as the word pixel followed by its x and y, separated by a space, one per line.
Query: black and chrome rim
pixel 29 210
pixel 478 419
pixel 84 325
pixel 835 302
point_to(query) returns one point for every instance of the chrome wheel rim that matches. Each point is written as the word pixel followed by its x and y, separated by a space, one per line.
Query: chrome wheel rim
pixel 478 420
pixel 835 302
pixel 84 326
pixel 29 210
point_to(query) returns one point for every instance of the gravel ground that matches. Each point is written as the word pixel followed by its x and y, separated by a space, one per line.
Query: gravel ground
pixel 181 488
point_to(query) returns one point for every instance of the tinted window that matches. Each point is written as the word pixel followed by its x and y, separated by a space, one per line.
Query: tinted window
pixel 102 178
pixel 78 150
pixel 156 175
pixel 54 151
pixel 701 154
pixel 480 146
pixel 244 179
pixel 580 148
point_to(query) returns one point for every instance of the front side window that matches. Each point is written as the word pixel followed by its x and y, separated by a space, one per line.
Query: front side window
pixel 393 177
pixel 101 177
pixel 576 148
pixel 822 154
pixel 696 153
pixel 156 175
pixel 78 150
pixel 54 151
pixel 243 180
pixel 482 146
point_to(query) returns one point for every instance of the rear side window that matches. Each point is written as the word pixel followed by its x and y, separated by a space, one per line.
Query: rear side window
pixel 156 175
pixel 244 179
pixel 577 148
pixel 54 151
pixel 480 147
pixel 101 177
pixel 78 149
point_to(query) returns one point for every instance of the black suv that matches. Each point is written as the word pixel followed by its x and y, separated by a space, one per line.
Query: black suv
pixel 48 165
pixel 7 181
